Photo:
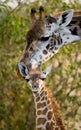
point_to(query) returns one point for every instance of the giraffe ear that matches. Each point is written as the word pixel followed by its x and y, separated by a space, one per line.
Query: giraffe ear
pixel 47 70
pixel 22 69
pixel 65 18
pixel 45 73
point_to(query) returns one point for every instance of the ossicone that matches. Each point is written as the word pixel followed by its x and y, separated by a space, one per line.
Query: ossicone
pixel 33 14
pixel 41 12
pixel 33 10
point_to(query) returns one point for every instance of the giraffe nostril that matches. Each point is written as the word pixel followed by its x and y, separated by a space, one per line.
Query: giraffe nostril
pixel 35 85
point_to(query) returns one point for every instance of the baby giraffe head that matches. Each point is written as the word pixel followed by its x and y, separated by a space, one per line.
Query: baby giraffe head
pixel 34 77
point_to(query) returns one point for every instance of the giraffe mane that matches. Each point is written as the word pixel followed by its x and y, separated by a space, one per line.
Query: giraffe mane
pixel 56 109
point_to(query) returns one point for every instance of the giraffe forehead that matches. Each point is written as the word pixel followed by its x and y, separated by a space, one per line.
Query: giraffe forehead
pixel 34 75
pixel 35 72
pixel 49 19
pixel 40 24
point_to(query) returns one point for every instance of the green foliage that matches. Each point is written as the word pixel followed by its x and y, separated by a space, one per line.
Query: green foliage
pixel 17 110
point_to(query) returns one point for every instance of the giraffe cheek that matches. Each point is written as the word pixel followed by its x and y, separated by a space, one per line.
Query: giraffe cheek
pixel 30 84
pixel 41 85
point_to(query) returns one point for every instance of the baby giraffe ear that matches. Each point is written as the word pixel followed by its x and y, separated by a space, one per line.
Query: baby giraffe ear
pixel 45 73
pixel 65 18
pixel 47 70
pixel 22 69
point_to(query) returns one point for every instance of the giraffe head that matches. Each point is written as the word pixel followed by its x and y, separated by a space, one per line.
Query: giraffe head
pixel 45 36
pixel 43 27
pixel 35 77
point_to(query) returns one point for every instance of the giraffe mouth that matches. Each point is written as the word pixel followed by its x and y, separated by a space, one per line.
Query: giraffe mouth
pixel 34 88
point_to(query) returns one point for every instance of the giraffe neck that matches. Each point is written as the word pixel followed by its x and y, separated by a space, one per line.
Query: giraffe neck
pixel 43 52
pixel 47 112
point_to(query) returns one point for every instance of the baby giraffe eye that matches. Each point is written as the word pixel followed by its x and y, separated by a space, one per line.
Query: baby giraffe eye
pixel 42 78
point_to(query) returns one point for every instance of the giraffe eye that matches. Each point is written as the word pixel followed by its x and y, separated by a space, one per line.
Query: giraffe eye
pixel 44 38
pixel 43 77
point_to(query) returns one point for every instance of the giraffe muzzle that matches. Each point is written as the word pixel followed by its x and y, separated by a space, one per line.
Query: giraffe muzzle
pixel 35 85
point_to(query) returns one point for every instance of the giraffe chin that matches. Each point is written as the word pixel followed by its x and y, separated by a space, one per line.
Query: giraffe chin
pixel 35 87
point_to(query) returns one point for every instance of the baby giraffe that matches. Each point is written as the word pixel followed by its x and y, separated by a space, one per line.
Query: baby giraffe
pixel 48 115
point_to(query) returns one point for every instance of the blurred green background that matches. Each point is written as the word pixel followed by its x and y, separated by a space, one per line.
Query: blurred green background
pixel 17 110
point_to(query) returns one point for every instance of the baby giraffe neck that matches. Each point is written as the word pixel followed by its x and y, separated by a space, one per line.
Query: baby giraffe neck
pixel 47 112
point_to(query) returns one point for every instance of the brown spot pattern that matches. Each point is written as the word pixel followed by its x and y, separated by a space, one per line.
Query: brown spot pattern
pixel 50 106
pixel 41 121
pixel 48 126
pixel 48 101
pixel 37 99
pixel 49 115
pixel 40 105
pixel 43 112
pixel 45 52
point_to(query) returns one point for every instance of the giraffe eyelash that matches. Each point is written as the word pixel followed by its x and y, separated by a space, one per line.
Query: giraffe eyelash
pixel 42 78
